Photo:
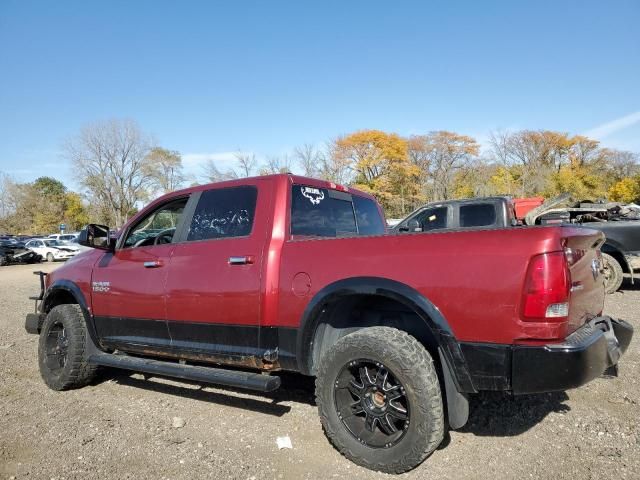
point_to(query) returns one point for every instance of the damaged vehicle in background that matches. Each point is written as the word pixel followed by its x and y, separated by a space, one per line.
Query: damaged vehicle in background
pixel 12 253
pixel 52 250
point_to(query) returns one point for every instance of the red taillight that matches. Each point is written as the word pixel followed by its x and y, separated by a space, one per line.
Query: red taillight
pixel 547 289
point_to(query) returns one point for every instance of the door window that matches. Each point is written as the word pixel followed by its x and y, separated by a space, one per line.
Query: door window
pixel 224 213
pixel 158 227
pixel 433 218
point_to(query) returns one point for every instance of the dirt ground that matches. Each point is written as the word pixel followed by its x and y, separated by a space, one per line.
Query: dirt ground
pixel 122 426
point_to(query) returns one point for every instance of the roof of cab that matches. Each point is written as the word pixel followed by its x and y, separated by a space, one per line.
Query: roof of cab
pixel 291 177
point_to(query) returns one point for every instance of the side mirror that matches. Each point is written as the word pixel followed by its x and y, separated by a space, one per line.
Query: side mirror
pixel 97 236
pixel 414 225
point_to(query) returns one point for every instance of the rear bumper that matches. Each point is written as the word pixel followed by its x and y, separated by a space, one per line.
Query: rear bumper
pixel 584 355
pixel 592 350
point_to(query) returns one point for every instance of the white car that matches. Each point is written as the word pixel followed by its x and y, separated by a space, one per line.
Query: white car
pixel 52 249
pixel 64 237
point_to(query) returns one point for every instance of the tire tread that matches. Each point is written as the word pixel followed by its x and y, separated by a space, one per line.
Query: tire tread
pixel 417 364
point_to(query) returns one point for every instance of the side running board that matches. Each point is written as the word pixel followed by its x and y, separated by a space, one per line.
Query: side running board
pixel 216 376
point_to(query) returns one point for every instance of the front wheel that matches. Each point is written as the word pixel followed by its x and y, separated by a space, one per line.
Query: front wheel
pixel 62 355
pixel 379 399
pixel 613 274
pixel 50 257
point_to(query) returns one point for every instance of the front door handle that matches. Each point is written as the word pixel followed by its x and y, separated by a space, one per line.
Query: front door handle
pixel 241 260
pixel 152 264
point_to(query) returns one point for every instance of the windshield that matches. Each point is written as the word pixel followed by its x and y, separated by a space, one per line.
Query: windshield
pixel 52 243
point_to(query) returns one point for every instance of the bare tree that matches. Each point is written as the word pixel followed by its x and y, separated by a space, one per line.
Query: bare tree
pixel 246 163
pixel 622 163
pixel 310 159
pixel 441 156
pixel 164 169
pixel 7 190
pixel 109 159
pixel 276 164
pixel 336 167
pixel 213 174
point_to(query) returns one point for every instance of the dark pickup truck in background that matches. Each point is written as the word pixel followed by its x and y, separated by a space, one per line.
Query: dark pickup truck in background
pixel 620 224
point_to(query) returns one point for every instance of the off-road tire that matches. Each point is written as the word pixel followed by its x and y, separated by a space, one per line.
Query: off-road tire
pixel 613 273
pixel 414 368
pixel 50 257
pixel 76 372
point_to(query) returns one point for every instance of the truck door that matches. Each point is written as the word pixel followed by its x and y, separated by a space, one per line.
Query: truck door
pixel 128 286
pixel 214 282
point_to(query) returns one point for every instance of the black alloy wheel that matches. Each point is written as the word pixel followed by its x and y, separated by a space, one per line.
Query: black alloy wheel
pixel 56 347
pixel 379 399
pixel 371 403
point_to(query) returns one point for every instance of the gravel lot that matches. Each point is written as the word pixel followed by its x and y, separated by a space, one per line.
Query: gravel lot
pixel 122 426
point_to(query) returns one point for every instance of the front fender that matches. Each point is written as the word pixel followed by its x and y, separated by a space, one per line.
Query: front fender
pixel 59 292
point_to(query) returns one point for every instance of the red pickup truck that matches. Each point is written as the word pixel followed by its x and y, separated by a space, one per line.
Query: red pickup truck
pixel 230 283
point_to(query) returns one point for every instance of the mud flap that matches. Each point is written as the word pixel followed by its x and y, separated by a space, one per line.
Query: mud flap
pixel 457 403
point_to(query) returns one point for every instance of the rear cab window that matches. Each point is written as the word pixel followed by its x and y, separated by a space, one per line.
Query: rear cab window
pixel 328 213
pixel 478 215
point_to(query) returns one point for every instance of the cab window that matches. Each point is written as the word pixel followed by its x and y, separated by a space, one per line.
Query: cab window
pixel 224 213
pixel 433 218
pixel 477 215
pixel 158 227
pixel 322 212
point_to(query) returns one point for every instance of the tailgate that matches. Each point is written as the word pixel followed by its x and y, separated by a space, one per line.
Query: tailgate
pixel 582 247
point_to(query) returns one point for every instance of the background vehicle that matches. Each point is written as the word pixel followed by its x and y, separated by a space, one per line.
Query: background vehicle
pixel 51 250
pixel 11 253
pixel 64 237
pixel 620 251
pixel 487 212
pixel 290 273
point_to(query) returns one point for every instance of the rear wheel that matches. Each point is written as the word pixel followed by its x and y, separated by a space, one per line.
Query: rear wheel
pixel 379 399
pixel 62 356
pixel 613 274
pixel 3 261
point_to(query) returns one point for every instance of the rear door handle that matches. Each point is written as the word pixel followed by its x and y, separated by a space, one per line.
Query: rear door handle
pixel 241 260
pixel 152 264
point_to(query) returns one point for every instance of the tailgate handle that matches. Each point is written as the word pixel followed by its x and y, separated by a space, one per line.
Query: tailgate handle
pixel 241 260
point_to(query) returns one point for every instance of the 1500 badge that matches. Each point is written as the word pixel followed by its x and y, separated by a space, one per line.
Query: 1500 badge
pixel 100 286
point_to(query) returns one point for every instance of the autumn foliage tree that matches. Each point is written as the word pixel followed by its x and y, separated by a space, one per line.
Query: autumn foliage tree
pixel 379 163
pixel 626 190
